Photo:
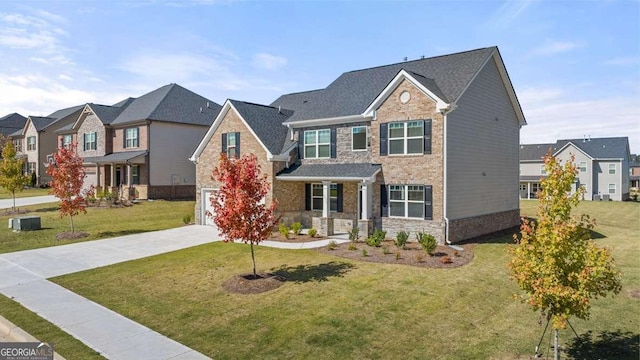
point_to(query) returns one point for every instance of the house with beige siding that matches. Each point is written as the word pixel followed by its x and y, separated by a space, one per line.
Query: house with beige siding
pixel 426 145
pixel 603 166
pixel 139 147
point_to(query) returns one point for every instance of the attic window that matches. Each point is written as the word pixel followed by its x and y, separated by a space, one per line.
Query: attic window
pixel 405 96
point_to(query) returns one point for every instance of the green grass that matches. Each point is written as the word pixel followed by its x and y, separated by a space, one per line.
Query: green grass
pixel 64 344
pixel 98 222
pixel 334 308
pixel 29 192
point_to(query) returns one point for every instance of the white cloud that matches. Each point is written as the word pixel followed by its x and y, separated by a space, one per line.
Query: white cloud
pixel 556 47
pixel 65 77
pixel 551 116
pixel 508 12
pixel 624 61
pixel 36 33
pixel 268 61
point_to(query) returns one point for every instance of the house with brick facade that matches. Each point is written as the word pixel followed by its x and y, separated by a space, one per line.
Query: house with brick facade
pixel 428 145
pixel 139 147
pixel 603 166
pixel 37 140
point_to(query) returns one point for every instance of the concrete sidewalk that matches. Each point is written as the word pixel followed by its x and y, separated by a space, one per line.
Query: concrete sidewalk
pixel 24 275
pixel 34 200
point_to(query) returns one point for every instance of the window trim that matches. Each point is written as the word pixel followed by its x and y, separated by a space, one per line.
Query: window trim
pixel 614 168
pixel 405 138
pixel 87 141
pixel 332 186
pixel 365 137
pixel 231 145
pixel 612 187
pixel 135 141
pixel 583 169
pixel 17 145
pixel 543 170
pixel 65 144
pixel 316 144
pixel 29 144
pixel 135 175
pixel 405 201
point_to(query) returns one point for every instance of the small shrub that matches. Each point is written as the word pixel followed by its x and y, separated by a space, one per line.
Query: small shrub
pixel 283 230
pixel 420 258
pixel 427 241
pixel 377 238
pixel 333 245
pixel 353 246
pixel 397 255
pixel 186 219
pixel 354 234
pixel 312 232
pixel 446 260
pixel 401 239
pixel 296 228
pixel 385 250
pixel 365 253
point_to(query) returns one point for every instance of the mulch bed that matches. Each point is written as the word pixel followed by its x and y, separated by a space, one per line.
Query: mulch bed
pixel 71 235
pixel 9 212
pixel 250 284
pixel 276 236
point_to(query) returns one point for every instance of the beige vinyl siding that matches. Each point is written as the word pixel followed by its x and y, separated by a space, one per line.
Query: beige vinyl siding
pixel 604 179
pixel 482 149
pixel 531 169
pixel 170 146
pixel 584 178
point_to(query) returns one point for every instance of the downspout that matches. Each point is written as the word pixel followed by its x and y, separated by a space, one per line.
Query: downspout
pixel 445 112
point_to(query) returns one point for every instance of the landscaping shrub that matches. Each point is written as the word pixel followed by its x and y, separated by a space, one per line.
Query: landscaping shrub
pixel 385 250
pixel 446 260
pixel 186 219
pixel 377 238
pixel 353 246
pixel 354 234
pixel 401 239
pixel 283 230
pixel 427 241
pixel 365 253
pixel 296 227
pixel 333 245
pixel 312 232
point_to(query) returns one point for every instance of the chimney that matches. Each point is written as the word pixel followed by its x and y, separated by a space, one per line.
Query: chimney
pixel 589 137
pixel 405 58
pixel 279 110
pixel 584 138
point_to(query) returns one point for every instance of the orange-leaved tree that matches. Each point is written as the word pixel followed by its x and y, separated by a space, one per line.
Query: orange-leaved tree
pixel 68 175
pixel 555 262
pixel 239 209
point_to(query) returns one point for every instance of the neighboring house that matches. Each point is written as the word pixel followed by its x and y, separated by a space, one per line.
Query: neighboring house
pixel 603 166
pixel 38 140
pixel 634 171
pixel 426 145
pixel 11 123
pixel 140 147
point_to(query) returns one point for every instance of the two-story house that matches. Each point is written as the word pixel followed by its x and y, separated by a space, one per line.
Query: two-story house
pixel 140 146
pixel 634 172
pixel 38 140
pixel 426 145
pixel 603 166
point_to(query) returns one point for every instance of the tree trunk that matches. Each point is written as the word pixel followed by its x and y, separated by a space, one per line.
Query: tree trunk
pixel 71 220
pixel 253 257
pixel 13 193
pixel 556 355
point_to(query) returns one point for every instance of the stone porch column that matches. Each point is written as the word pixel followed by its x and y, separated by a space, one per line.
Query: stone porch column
pixel 365 224
pixel 326 222
pixel 113 174
pixel 129 180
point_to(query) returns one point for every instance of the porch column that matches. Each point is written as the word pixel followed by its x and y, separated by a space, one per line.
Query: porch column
pixel 129 181
pixel 113 175
pixel 97 175
pixel 366 200
pixel 528 191
pixel 326 198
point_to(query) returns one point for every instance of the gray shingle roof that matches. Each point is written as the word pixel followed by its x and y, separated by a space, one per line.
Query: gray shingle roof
pixel 354 91
pixel 41 122
pixel 266 122
pixel 170 103
pixel 11 123
pixel 117 157
pixel 535 152
pixel 106 113
pixel 323 171
pixel 59 115
pixel 601 148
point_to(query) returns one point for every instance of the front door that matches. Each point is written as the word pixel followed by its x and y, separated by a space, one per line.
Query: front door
pixel 118 175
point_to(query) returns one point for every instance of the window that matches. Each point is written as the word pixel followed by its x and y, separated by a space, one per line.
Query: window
pixel 31 143
pixel 316 197
pixel 359 138
pixel 523 187
pixel 535 187
pixel 17 145
pixel 31 168
pixel 543 171
pixel 231 144
pixel 406 137
pixel 406 201
pixel 612 169
pixel 583 166
pixel 131 138
pixel 90 141
pixel 135 175
pixel 66 141
pixel 317 143
pixel 612 188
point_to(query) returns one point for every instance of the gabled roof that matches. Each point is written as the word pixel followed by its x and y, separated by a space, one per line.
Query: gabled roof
pixel 311 172
pixel 352 92
pixel 170 103
pixel 265 122
pixel 11 123
pixel 41 122
pixel 596 148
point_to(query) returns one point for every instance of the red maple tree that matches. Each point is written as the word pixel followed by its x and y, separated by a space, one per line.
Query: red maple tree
pixel 68 175
pixel 240 212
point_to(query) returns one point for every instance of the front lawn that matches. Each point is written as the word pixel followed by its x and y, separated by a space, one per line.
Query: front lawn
pixel 28 192
pixel 335 308
pixel 98 222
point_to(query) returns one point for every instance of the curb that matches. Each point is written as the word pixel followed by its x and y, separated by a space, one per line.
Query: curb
pixel 15 334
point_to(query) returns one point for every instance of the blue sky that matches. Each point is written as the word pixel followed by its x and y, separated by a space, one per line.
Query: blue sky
pixel 575 65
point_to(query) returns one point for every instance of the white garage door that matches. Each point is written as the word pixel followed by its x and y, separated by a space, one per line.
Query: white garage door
pixel 206 206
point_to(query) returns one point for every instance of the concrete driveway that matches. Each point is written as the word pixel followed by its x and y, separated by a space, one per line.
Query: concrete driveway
pixel 34 200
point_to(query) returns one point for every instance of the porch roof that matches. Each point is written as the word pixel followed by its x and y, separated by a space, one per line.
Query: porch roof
pixel 119 157
pixel 532 178
pixel 331 172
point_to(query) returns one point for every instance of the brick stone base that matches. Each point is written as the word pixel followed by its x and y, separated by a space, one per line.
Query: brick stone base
pixel 394 225
pixel 462 229
pixel 177 192
pixel 365 227
pixel 323 225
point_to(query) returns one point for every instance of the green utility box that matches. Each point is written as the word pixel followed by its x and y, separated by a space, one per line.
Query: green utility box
pixel 26 223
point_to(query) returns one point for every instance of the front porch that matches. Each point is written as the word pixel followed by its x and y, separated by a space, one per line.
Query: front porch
pixel 123 174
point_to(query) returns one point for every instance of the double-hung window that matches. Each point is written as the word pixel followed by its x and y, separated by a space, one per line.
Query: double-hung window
pixel 316 197
pixel 612 169
pixel 31 143
pixel 135 175
pixel 406 201
pixel 17 145
pixel 31 167
pixel 543 170
pixel 90 142
pixel 131 138
pixel 317 143
pixel 66 140
pixel 359 138
pixel 406 137
pixel 231 144
pixel 612 188
pixel 583 166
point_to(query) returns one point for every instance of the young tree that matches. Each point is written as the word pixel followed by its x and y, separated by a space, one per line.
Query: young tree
pixel 11 176
pixel 556 263
pixel 68 177
pixel 240 214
